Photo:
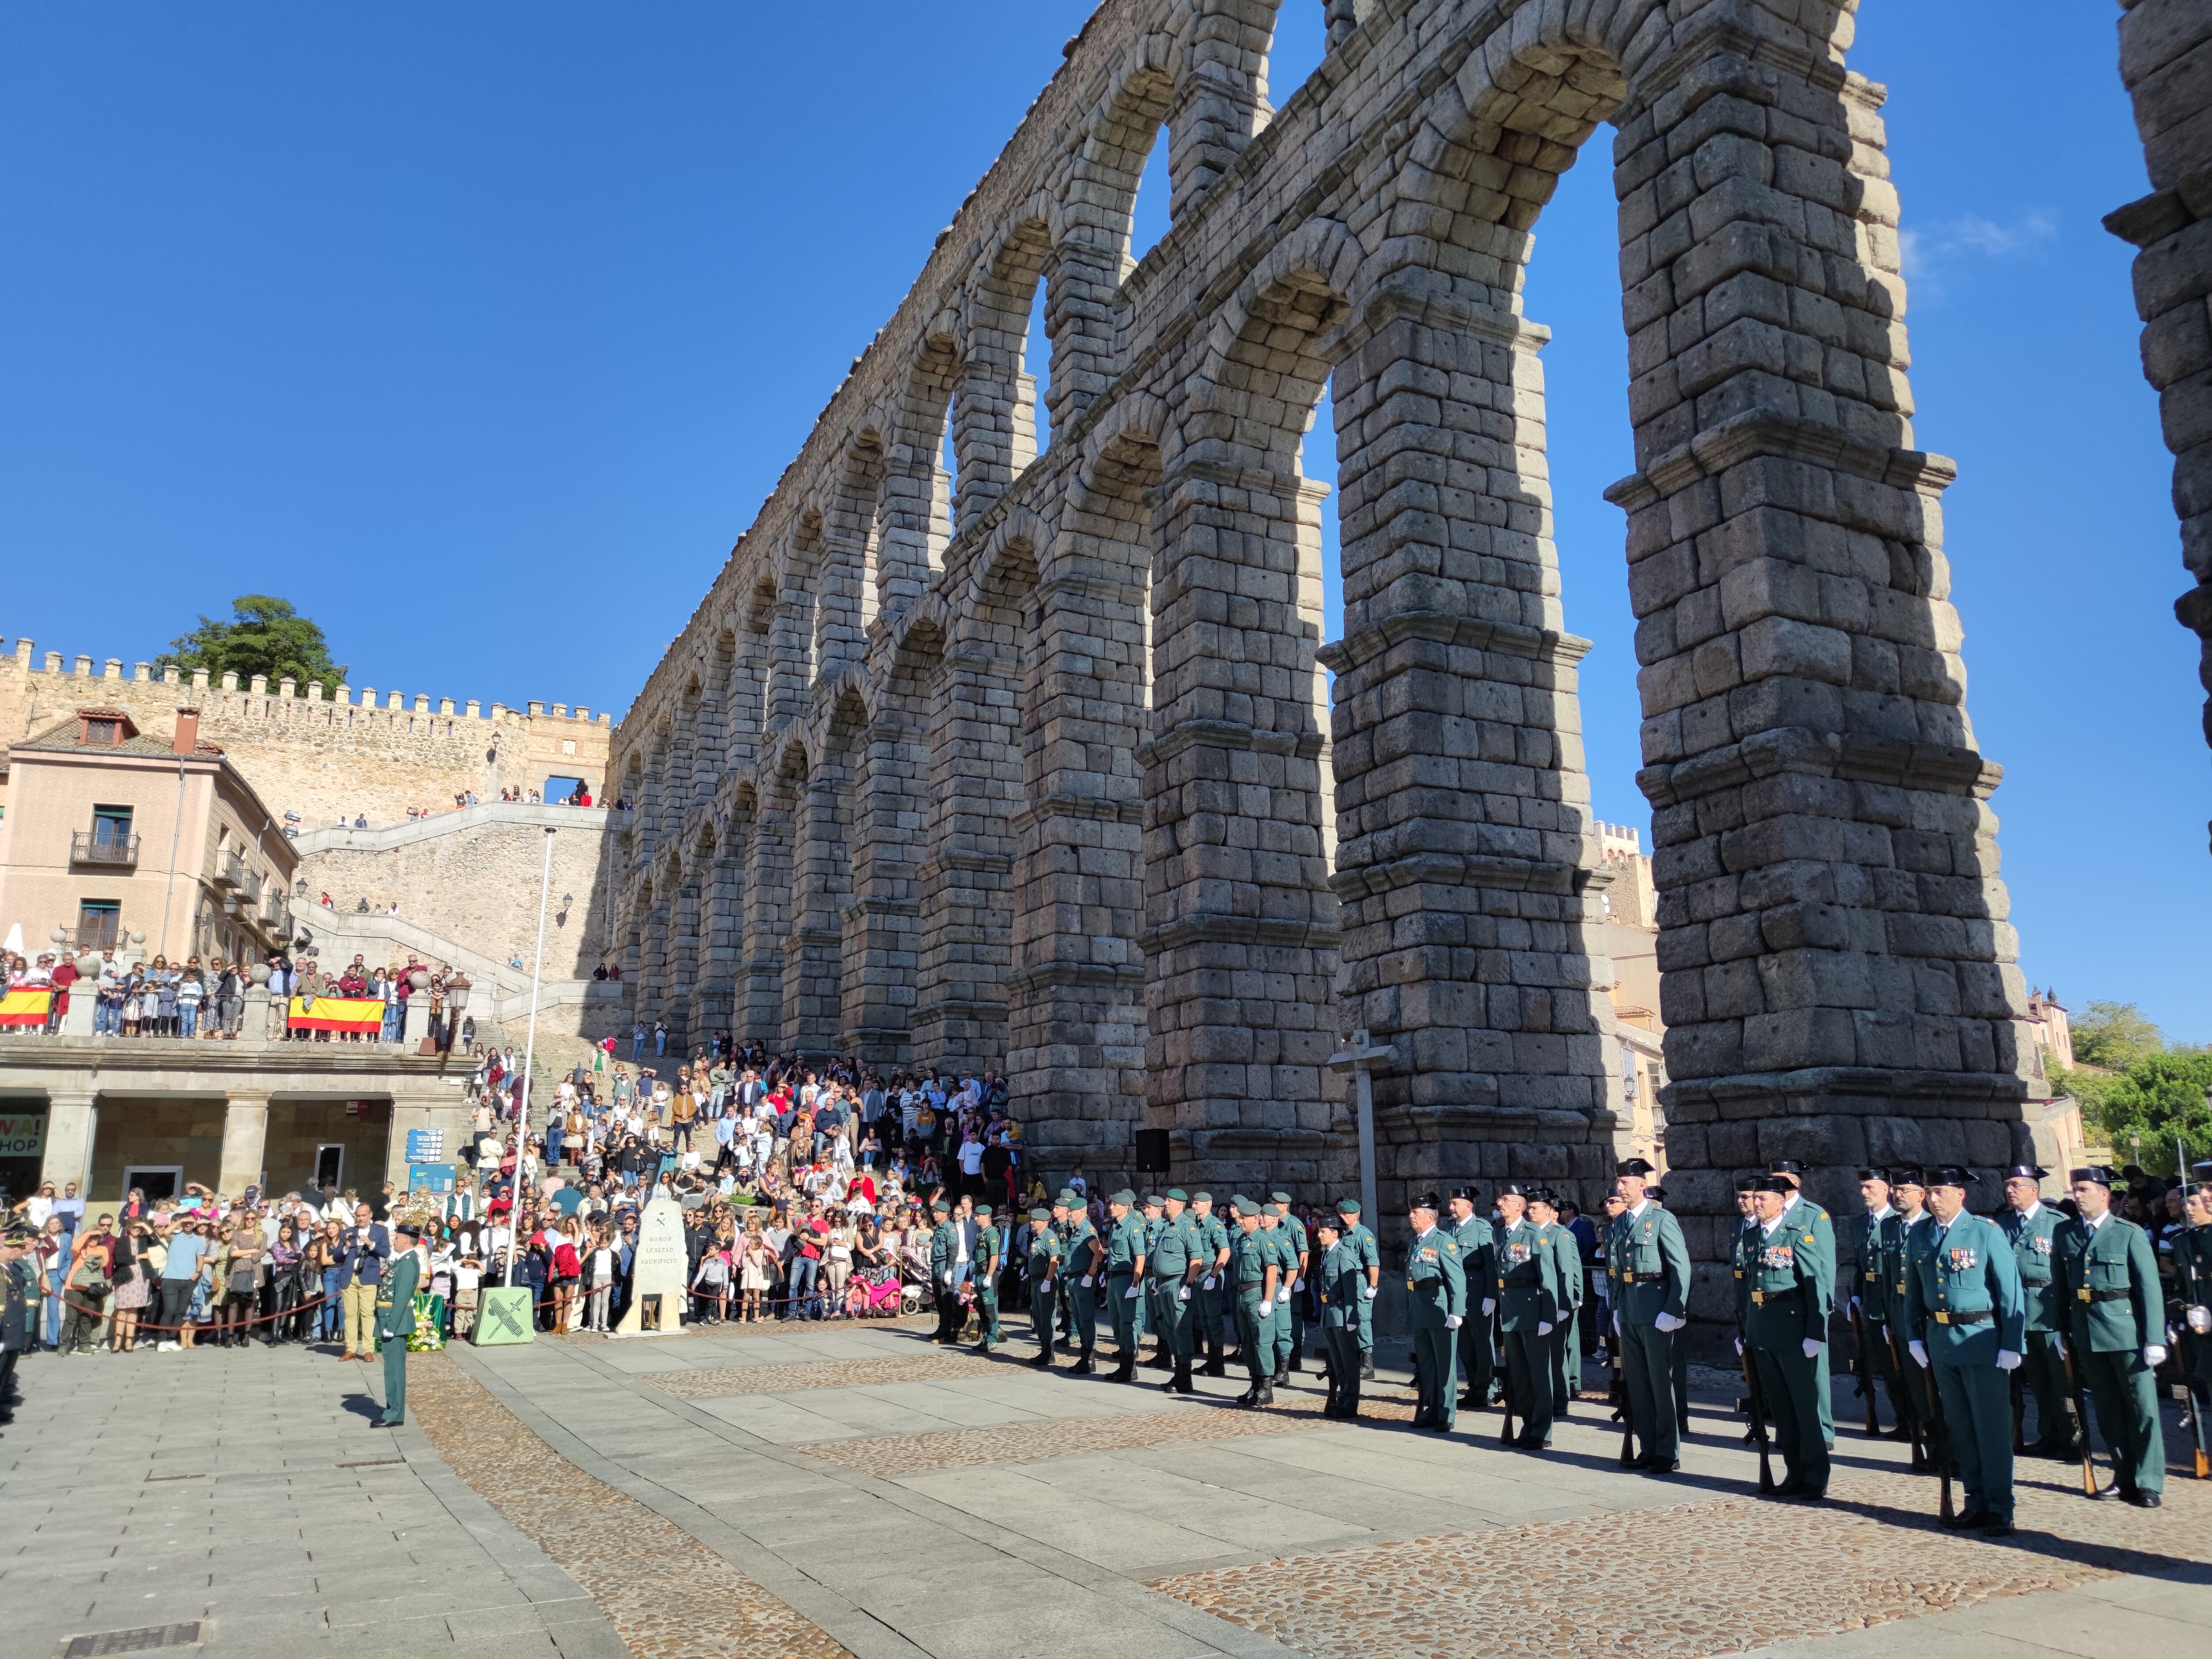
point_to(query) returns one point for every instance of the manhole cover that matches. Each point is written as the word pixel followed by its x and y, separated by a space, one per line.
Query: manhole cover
pixel 141 1640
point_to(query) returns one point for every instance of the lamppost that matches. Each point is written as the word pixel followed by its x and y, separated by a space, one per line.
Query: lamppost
pixel 1360 1059
pixel 529 1050
pixel 457 1004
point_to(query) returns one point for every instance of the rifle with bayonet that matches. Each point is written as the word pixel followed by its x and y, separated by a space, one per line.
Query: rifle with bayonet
pixel 1863 1364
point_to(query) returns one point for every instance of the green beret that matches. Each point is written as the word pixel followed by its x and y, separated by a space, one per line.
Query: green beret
pixel 1040 1215
pixel 1151 1200
pixel 942 1207
pixel 1125 1196
pixel 1271 1209
pixel 1280 1198
pixel 982 1209
pixel 1240 1206
pixel 1178 1194
pixel 1067 1198
pixel 1201 1198
pixel 1347 1207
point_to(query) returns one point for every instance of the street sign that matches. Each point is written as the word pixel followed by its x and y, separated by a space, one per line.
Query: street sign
pixel 430 1178
pixel 426 1145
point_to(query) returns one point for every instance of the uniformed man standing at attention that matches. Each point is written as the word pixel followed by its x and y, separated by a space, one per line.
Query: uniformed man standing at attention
pixel 1081 1275
pixel 1293 1312
pixel 1567 1266
pixel 1356 1233
pixel 1275 1321
pixel 1647 1261
pixel 1809 1218
pixel 1964 1318
pixel 1787 1328
pixel 1253 1270
pixel 1342 1283
pixel 1177 1260
pixel 395 1319
pixel 1125 1263
pixel 1908 1191
pixel 1435 1294
pixel 988 1260
pixel 1045 1257
pixel 1148 1316
pixel 1527 1292
pixel 2107 1276
pixel 1211 1295
pixel 944 1257
pixel 1471 1232
pixel 2192 1303
pixel 1881 1265
pixel 2032 1228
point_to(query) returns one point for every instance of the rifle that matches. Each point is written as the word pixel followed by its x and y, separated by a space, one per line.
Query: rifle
pixel 1908 1400
pixel 2195 1387
pixel 1758 1403
pixel 2019 1409
pixel 1863 1363
pixel 1505 1435
pixel 1940 1440
pixel 2081 1414
pixel 1620 1395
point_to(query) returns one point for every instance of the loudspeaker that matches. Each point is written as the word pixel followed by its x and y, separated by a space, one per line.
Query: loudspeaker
pixel 1151 1151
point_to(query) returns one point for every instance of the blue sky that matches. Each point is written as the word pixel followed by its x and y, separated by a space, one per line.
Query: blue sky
pixel 480 332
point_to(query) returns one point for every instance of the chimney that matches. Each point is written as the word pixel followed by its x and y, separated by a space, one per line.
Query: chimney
pixel 187 739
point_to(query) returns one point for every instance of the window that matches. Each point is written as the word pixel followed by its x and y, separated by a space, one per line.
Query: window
pixel 98 923
pixel 102 734
pixel 111 826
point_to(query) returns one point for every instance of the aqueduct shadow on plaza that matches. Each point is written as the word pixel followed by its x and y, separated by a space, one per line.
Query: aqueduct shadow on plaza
pixel 1023 762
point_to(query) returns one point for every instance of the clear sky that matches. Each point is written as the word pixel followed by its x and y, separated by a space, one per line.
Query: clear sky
pixel 481 332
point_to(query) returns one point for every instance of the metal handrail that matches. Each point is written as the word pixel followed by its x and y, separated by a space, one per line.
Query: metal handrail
pixel 90 847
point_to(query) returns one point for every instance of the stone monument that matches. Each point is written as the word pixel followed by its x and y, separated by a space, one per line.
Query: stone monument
pixel 657 1272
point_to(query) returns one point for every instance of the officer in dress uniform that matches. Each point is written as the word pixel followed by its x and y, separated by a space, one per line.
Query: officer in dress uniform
pixel 2192 1299
pixel 1081 1274
pixel 18 1297
pixel 1292 1314
pixel 1657 1195
pixel 1566 1332
pixel 1178 1257
pixel 1273 1240
pixel 1471 1232
pixel 1125 1261
pixel 1344 1297
pixel 1882 1265
pixel 1253 1270
pixel 1526 1292
pixel 1908 1191
pixel 1809 1217
pixel 2107 1275
pixel 2030 1226
pixel 1356 1233
pixel 1966 1319
pixel 1212 1294
pixel 944 1257
pixel 989 1258
pixel 1046 1254
pixel 1436 1292
pixel 1786 1329
pixel 395 1319
pixel 1148 1321
pixel 1647 1263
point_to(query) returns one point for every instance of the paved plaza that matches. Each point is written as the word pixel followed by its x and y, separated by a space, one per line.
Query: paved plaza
pixel 834 1489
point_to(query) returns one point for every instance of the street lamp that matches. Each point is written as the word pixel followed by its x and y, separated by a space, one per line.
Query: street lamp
pixel 457 1003
pixel 1361 1059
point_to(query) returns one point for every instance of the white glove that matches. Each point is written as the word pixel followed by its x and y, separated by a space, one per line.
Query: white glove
pixel 1129 1295
pixel 1854 1304
pixel 1813 1346
pixel 1665 1322
pixel 1183 1294
pixel 2008 1360
pixel 2059 1343
pixel 1919 1353
pixel 1739 1347
pixel 1451 1321
pixel 1489 1306
pixel 2153 1355
pixel 1616 1324
pixel 1543 1327
pixel 1206 1283
pixel 1367 1293
pixel 946 1279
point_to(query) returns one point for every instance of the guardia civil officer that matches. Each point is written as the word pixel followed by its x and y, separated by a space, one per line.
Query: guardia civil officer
pixel 1808 1217
pixel 944 1257
pixel 395 1319
pixel 1526 1293
pixel 1471 1232
pixel 988 1259
pixel 1177 1258
pixel 1148 1316
pixel 2192 1301
pixel 1566 1369
pixel 1966 1317
pixel 1909 1191
pixel 1344 1294
pixel 2030 1226
pixel 1435 1294
pixel 1370 1262
pixel 1125 1262
pixel 1085 1266
pixel 2107 1275
pixel 1253 1270
pixel 1786 1330
pixel 1211 1295
pixel 1882 1265
pixel 1046 1254
pixel 19 1298
pixel 1275 1325
pixel 1647 1259
pixel 1292 1313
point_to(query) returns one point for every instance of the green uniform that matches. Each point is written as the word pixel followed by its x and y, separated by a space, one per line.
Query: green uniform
pixel 1345 1330
pixel 942 1251
pixel 1148 1319
pixel 1291 1337
pixel 395 1323
pixel 1284 1245
pixel 1807 1217
pixel 1477 1259
pixel 2108 1280
pixel 1178 1244
pixel 1125 1247
pixel 1880 1299
pixel 1046 1254
pixel 2042 1372
pixel 1210 1296
pixel 1436 1293
pixel 1080 1290
pixel 986 1281
pixel 1250 1258
pixel 1647 1264
pixel 1566 1332
pixel 1528 1294
pixel 1371 1255
pixel 2192 1306
pixel 1963 1303
pixel 1787 1306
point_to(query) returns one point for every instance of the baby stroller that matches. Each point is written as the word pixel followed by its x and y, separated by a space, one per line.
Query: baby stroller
pixel 872 1295
pixel 915 1292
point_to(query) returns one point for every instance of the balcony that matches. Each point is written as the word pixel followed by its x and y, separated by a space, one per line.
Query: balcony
pixel 110 852
pixel 96 935
pixel 230 871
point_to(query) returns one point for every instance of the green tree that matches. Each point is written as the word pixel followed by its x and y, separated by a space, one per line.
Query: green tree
pixel 2115 1036
pixel 2160 1099
pixel 265 635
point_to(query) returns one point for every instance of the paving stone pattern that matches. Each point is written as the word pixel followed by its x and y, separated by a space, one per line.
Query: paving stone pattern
pixel 1691 1579
pixel 823 1374
pixel 889 1456
pixel 644 1571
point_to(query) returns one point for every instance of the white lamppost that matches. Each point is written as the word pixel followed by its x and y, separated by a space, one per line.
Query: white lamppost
pixel 1360 1059
pixel 529 1049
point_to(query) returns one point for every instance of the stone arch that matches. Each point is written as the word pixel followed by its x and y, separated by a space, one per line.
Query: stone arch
pixel 849 587
pixel 995 433
pixel 762 861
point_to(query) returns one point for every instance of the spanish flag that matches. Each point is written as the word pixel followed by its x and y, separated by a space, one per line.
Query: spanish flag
pixel 336 1014
pixel 25 1007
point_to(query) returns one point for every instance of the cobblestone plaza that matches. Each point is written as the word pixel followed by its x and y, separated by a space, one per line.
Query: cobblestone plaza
pixel 820 1492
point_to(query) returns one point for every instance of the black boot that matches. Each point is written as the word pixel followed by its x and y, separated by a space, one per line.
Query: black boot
pixel 1266 1393
pixel 1366 1370
pixel 1215 1368
pixel 1297 1360
pixel 1044 1360
pixel 1126 1371
pixel 1180 1382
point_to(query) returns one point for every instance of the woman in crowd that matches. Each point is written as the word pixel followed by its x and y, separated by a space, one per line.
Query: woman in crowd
pixel 133 1283
pixel 238 1287
pixel 285 1269
pixel 758 1270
